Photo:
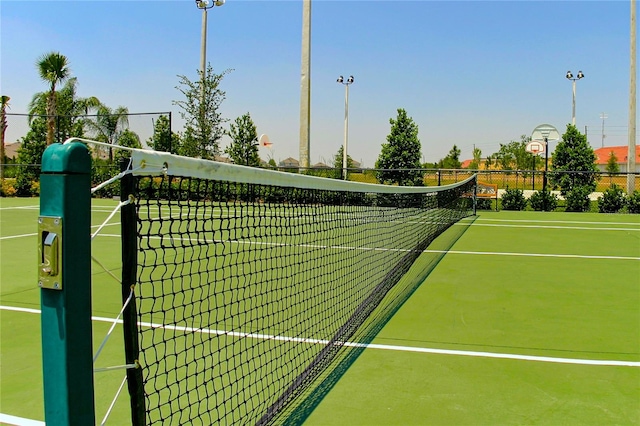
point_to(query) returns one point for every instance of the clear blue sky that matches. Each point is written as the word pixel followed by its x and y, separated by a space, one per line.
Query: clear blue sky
pixel 468 72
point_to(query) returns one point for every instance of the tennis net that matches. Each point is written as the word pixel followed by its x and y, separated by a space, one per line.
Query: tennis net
pixel 250 284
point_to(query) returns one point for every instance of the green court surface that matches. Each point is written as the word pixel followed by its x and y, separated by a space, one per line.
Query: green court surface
pixel 530 318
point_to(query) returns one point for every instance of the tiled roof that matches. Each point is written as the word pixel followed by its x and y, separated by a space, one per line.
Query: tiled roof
pixel 602 154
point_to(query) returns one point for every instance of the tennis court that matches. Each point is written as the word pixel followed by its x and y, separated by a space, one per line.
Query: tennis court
pixel 529 318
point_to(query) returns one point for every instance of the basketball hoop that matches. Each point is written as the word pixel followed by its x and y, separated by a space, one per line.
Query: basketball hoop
pixel 535 147
pixel 264 141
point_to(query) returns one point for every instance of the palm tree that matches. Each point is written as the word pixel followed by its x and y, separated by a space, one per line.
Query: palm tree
pixel 70 109
pixel 4 104
pixel 53 68
pixel 109 124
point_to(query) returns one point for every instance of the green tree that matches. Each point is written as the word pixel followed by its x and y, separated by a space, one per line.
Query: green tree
pixel 163 138
pixel 71 110
pixel 4 104
pixel 488 162
pixel 338 159
pixel 109 125
pixel 53 68
pixel 32 145
pixel 201 111
pixel 612 163
pixel 244 142
pixel 514 155
pixel 127 139
pixel 399 160
pixel 477 157
pixel 575 160
pixel 452 160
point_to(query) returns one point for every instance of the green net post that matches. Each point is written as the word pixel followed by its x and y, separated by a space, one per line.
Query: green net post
pixel 64 275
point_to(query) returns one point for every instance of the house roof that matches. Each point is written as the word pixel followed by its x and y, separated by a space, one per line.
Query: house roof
pixel 602 154
pixel 289 161
pixel 11 149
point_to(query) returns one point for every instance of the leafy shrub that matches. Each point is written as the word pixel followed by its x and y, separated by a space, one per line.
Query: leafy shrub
pixel 633 202
pixel 612 200
pixel 8 187
pixel 23 185
pixel 35 188
pixel 513 199
pixel 541 199
pixel 577 200
pixel 483 204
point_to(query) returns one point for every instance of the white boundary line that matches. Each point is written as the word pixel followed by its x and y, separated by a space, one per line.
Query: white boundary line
pixel 19 421
pixel 584 228
pixel 578 222
pixel 473 253
pixel 576 361
pixel 10 237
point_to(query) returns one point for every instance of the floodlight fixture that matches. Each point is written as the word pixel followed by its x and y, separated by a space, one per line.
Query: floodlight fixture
pixel 569 75
pixel 350 80
pixel 208 4
pixel 340 79
pixel 580 75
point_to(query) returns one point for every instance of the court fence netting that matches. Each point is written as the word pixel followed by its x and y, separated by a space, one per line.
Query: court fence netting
pixel 247 292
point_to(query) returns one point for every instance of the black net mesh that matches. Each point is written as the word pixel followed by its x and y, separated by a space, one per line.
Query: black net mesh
pixel 247 295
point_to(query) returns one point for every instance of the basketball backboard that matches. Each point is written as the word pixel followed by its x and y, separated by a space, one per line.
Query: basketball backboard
pixel 545 132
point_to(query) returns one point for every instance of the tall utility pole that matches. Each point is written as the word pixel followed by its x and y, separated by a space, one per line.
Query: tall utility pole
pixel 574 79
pixel 346 123
pixel 603 116
pixel 205 5
pixel 305 85
pixel 631 154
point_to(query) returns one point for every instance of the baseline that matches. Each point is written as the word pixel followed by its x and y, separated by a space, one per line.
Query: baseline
pixel 578 361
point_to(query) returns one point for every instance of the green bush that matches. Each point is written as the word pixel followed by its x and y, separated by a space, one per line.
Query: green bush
pixel 577 200
pixel 543 201
pixel 8 187
pixel 484 203
pixel 612 200
pixel 633 202
pixel 513 199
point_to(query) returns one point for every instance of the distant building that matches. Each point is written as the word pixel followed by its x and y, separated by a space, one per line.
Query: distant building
pixel 320 165
pixel 602 157
pixel 482 165
pixel 11 150
pixel 289 162
pixel 603 154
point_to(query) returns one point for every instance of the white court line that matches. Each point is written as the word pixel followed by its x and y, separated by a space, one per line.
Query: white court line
pixel 261 336
pixel 570 256
pixel 10 237
pixel 557 221
pixel 491 253
pixel 19 421
pixel 588 228
pixel 20 208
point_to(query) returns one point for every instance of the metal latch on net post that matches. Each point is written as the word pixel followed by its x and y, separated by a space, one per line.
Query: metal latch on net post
pixel 50 252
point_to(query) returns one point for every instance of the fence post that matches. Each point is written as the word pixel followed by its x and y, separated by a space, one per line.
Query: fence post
pixel 64 275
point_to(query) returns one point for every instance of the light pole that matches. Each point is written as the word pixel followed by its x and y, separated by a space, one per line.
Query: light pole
pixel 205 5
pixel 573 79
pixel 346 123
